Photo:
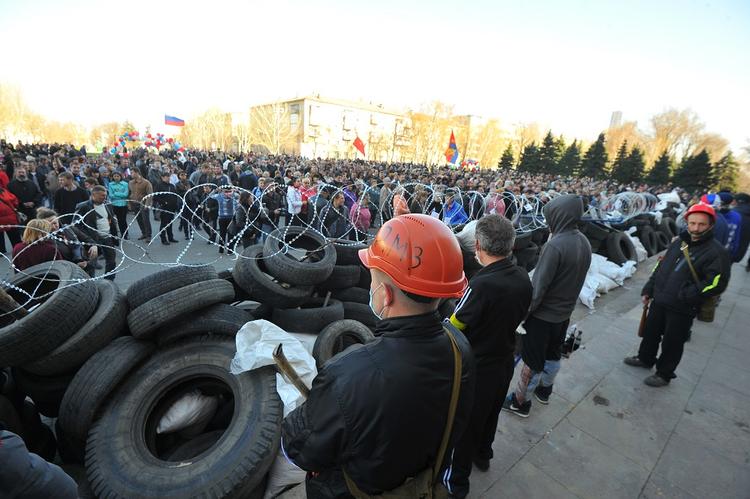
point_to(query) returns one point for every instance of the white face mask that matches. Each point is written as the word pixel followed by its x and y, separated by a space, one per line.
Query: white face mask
pixel 372 306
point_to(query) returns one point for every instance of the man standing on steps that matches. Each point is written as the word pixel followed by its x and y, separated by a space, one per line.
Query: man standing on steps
pixel 675 296
pixel 491 309
pixel 557 281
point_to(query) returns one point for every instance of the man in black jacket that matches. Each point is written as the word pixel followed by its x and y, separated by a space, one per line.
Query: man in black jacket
pixel 743 208
pixel 377 412
pixel 675 297
pixel 493 306
pixel 26 190
pixel 100 224
pixel 168 203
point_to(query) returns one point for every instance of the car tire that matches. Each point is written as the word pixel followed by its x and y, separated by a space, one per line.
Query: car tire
pixel 620 248
pixel 221 319
pixel 122 454
pixel 251 274
pixel 337 337
pixel 55 319
pixel 315 270
pixel 91 386
pixel 173 305
pixel 162 282
pixel 106 324
pixel 311 317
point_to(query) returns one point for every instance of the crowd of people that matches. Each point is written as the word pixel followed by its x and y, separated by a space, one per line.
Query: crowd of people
pixel 355 442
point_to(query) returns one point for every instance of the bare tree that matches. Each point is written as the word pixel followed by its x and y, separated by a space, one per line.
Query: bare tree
pixel 676 131
pixel 627 131
pixel 271 127
pixel 525 134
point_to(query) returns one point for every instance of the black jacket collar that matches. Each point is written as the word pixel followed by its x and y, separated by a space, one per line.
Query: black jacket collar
pixel 705 237
pixel 410 325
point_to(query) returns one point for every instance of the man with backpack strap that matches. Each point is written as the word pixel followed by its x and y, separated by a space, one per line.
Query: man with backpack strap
pixel 377 413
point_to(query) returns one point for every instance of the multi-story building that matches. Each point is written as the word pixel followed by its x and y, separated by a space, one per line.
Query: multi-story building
pixel 315 126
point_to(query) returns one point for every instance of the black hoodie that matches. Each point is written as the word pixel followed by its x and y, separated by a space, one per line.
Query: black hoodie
pixel 563 262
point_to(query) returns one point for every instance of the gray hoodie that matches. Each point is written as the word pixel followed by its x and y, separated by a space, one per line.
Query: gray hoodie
pixel 563 262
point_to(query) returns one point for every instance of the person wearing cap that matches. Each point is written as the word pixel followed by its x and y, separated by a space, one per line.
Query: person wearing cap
pixel 734 224
pixel 557 281
pixel 743 208
pixel 489 313
pixel 675 297
pixel 376 413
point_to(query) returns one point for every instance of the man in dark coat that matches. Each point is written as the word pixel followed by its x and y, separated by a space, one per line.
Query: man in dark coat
pixel 743 208
pixel 377 412
pixel 491 309
pixel 675 297
pixel 100 224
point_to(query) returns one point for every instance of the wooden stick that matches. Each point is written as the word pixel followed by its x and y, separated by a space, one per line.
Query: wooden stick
pixel 9 305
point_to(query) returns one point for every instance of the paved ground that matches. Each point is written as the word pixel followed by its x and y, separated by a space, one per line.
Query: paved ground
pixel 606 434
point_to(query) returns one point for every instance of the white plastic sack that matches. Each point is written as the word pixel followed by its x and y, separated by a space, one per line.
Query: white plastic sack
pixel 467 237
pixel 192 409
pixel 603 283
pixel 588 293
pixel 669 197
pixel 640 250
pixel 281 475
pixel 256 341
pixel 657 216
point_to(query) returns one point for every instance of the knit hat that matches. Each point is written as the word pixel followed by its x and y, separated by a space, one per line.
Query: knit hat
pixel 726 198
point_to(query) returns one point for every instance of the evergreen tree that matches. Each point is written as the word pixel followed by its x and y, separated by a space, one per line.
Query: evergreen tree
pixel 661 171
pixel 726 173
pixel 570 162
pixel 635 165
pixel 619 167
pixel 506 160
pixel 695 173
pixel 549 154
pixel 594 162
pixel 529 161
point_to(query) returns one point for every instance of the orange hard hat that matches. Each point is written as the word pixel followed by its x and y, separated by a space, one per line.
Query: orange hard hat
pixel 420 254
pixel 702 208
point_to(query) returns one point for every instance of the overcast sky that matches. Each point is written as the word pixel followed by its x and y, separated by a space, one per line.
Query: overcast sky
pixel 565 64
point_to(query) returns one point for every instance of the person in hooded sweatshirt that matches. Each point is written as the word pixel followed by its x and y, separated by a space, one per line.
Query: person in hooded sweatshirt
pixel 557 281
pixel 743 208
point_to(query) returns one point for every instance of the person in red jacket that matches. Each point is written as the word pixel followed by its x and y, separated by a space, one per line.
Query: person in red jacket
pixel 8 217
pixel 34 248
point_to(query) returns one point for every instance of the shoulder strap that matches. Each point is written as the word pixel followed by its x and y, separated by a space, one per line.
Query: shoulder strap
pixel 686 252
pixel 457 368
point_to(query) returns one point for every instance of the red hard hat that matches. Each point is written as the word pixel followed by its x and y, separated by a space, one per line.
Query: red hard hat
pixel 420 254
pixel 701 208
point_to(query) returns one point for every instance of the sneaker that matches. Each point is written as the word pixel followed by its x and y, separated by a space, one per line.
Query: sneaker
pixel 635 362
pixel 656 381
pixel 542 393
pixel 511 405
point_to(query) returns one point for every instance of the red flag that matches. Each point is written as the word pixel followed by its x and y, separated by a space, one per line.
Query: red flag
pixel 359 145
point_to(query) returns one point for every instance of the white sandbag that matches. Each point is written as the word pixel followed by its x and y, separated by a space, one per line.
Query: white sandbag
pixel 467 237
pixel 588 293
pixel 603 283
pixel 255 343
pixel 640 251
pixel 191 410
pixel 657 216
pixel 282 475
pixel 669 197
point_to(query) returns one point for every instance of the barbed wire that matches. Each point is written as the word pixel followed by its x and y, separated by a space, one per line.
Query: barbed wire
pixel 524 211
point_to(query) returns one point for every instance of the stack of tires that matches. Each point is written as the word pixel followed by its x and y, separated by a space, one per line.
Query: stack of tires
pixel 107 366
pixel 68 320
pixel 526 250
pixel 305 283
pixel 655 237
pixel 609 242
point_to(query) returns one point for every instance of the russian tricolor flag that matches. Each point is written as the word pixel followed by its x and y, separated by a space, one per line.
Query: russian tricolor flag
pixel 171 120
